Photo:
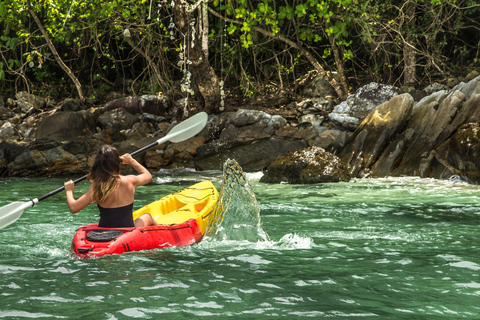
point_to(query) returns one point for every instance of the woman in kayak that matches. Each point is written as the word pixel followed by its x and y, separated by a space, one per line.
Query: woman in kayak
pixel 112 192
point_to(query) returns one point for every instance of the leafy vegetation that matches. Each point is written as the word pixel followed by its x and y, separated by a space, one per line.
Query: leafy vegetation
pixel 254 47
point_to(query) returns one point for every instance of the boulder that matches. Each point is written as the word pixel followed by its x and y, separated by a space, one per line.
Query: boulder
pixel 461 152
pixel 406 143
pixel 140 130
pixel 331 140
pixel 7 132
pixel 252 155
pixel 9 150
pixel 66 126
pixel 27 101
pixel 435 87
pixel 6 113
pixel 306 166
pixel 70 104
pixel 118 119
pixel 374 134
pixel 246 125
pixel 314 105
pixel 434 119
pixel 54 161
pixel 318 87
pixel 154 104
pixel 358 106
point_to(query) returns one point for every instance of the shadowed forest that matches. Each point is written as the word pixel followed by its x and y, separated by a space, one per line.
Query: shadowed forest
pixel 211 51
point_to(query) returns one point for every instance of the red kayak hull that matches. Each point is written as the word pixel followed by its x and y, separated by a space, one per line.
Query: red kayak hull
pixel 86 244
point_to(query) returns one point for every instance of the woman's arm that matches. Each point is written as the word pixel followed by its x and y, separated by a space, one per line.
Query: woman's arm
pixel 76 205
pixel 143 176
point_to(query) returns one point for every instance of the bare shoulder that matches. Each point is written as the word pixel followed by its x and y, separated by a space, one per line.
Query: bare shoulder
pixel 135 180
pixel 128 179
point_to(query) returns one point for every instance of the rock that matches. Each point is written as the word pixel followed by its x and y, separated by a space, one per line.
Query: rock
pixel 252 155
pixel 461 152
pixel 369 97
pixel 331 140
pixel 318 87
pixel 306 166
pixel 314 105
pixel 118 119
pixel 154 104
pixel 53 161
pixel 26 101
pixel 176 153
pixel 406 146
pixel 7 132
pixel 452 82
pixel 66 126
pixel 188 148
pixel 418 94
pixel 472 75
pixel 315 119
pixel 352 111
pixel 110 136
pixel 341 117
pixel 155 159
pixel 153 119
pixel 6 113
pixel 70 104
pixel 246 125
pixel 374 134
pixel 140 130
pixel 44 144
pixel 435 87
pixel 434 119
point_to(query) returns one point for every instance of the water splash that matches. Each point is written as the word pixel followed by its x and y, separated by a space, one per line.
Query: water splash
pixel 236 215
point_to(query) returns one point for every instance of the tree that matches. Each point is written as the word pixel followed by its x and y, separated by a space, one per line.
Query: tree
pixel 246 48
pixel 194 54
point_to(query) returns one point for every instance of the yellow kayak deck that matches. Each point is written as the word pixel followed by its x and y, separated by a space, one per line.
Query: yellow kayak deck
pixel 194 202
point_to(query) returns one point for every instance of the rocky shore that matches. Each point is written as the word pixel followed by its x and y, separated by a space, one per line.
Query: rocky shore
pixel 378 131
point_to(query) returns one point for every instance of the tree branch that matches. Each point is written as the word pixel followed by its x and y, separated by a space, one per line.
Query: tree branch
pixel 59 60
pixel 341 92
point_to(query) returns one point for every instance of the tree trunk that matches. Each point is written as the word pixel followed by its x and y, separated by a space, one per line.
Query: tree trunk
pixel 203 75
pixel 338 55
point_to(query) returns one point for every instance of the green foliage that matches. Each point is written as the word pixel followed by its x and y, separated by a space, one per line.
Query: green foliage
pixel 367 37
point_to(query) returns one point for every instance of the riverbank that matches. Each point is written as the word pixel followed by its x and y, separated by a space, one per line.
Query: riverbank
pixel 378 131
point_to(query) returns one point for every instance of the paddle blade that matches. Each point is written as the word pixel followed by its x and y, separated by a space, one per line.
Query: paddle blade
pixel 11 212
pixel 188 128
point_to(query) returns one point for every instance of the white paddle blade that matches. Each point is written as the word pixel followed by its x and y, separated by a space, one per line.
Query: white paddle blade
pixel 11 212
pixel 188 128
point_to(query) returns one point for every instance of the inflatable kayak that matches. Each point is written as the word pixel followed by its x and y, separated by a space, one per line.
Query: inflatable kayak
pixel 182 218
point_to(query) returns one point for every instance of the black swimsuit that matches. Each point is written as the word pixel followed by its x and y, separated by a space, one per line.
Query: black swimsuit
pixel 120 217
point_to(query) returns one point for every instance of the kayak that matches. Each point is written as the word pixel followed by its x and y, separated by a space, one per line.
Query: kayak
pixel 182 217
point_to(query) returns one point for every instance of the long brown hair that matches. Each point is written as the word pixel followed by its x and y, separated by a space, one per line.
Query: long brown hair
pixel 105 173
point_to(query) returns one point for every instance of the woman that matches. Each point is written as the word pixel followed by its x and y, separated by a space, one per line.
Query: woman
pixel 112 192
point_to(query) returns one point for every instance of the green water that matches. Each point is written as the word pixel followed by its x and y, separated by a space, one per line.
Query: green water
pixel 397 248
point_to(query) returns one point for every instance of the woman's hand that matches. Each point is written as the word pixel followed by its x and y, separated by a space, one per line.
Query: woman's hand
pixel 69 185
pixel 126 158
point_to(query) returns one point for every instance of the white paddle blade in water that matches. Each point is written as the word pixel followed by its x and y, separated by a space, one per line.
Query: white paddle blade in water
pixel 11 212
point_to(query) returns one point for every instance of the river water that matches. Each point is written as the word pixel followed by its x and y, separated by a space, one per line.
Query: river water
pixel 393 248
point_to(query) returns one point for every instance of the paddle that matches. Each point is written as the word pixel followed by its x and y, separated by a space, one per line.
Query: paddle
pixel 182 131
